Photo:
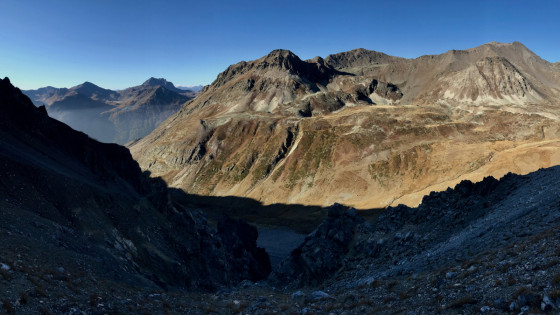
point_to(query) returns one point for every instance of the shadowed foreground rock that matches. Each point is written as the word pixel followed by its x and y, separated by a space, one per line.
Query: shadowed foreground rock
pixel 116 223
pixel 322 252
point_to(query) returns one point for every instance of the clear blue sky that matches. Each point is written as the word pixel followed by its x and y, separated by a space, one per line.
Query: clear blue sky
pixel 120 43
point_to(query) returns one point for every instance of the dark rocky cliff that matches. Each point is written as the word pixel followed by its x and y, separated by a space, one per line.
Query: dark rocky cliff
pixel 109 208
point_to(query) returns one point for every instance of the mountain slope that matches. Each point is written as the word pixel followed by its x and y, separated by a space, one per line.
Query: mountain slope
pixel 108 218
pixel 361 127
pixel 113 116
pixel 481 247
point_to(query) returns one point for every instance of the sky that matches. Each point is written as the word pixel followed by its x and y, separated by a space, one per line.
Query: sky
pixel 121 43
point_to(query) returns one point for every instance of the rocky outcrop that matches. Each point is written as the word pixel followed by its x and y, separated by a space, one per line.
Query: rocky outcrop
pixel 322 251
pixel 359 58
pixel 240 241
pixel 311 71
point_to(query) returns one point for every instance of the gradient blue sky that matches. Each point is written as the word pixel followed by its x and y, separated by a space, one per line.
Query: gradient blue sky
pixel 120 43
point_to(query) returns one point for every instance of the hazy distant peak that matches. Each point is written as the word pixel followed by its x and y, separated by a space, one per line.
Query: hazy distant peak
pixel 161 82
pixel 156 81
pixel 87 84
pixel 195 88
pixel 91 90
pixel 88 87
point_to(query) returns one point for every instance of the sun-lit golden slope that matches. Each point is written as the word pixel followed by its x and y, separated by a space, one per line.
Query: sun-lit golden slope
pixel 361 127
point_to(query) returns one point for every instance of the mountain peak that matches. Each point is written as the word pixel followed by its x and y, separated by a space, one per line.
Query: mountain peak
pixel 161 82
pixel 156 81
pixel 278 61
pixel 517 46
pixel 87 84
pixel 13 101
pixel 282 53
pixel 280 58
pixel 358 58
pixel 515 52
pixel 89 89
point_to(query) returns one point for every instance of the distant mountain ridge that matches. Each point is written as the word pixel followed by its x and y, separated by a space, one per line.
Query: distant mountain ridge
pixel 195 88
pixel 361 127
pixel 113 116
pixel 170 86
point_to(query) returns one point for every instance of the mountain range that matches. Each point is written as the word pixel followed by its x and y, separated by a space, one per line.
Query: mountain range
pixel 113 116
pixel 196 88
pixel 85 230
pixel 361 127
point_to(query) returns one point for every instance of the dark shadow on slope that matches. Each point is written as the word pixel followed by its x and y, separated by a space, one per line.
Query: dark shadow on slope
pixel 115 221
pixel 297 217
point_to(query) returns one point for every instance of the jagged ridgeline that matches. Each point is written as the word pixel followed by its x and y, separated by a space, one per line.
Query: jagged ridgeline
pixel 361 127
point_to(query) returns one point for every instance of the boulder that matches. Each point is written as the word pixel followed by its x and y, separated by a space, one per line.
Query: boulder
pixel 322 251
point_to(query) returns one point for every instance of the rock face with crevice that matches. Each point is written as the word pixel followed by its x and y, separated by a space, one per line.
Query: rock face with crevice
pixel 361 127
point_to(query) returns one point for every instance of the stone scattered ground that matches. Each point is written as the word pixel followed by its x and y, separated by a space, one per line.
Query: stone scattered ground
pixel 491 247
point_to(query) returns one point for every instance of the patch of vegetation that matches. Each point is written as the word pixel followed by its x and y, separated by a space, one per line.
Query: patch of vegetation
pixel 361 302
pixel 520 291
pixel 5 274
pixel 379 172
pixel 511 280
pixel 467 299
pixel 391 285
pixel 404 295
pixel 556 279
pixel 314 151
pixel 8 306
pixel 265 163
pixel 44 311
pixel 23 299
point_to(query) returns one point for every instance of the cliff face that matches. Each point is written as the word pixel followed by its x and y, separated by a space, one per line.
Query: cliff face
pixel 361 127
pixel 107 209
